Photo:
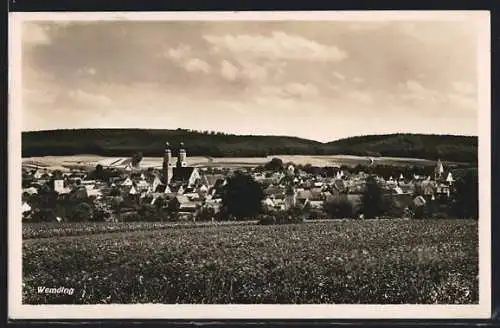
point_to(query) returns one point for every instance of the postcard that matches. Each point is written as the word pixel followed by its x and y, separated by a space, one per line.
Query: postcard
pixel 249 165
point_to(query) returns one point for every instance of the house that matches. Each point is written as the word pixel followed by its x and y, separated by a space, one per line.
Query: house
pixel 132 191
pixel 25 208
pixel 186 205
pixel 214 181
pixel 127 183
pixel 398 190
pixel 449 178
pixel 273 190
pixel 38 174
pixel 268 203
pixel 316 204
pixel 142 185
pixel 339 185
pixel 80 193
pixel 30 190
pixel 155 183
pixel 60 188
pixel 443 190
pixel 186 176
pixel 303 195
pixel 428 187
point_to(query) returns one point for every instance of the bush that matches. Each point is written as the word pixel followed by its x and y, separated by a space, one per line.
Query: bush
pixel 284 217
pixel 267 219
pixel 339 208
pixel 205 214
pixel 81 212
pixel 130 217
pixel 43 215
pixel 391 209
pixel 148 212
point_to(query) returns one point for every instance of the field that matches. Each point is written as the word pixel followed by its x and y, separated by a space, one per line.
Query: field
pixel 352 261
pixel 92 160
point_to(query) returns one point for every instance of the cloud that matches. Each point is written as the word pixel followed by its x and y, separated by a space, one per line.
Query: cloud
pixel 464 88
pixel 182 55
pixel 279 45
pixel 252 71
pixel 87 71
pixel 290 90
pixel 197 65
pixel 362 97
pixel 339 76
pixel 462 101
pixel 179 53
pixel 35 34
pixel 229 71
pixel 301 90
pixel 89 99
pixel 414 86
pixel 366 26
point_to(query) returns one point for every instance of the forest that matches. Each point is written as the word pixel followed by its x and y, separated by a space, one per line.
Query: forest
pixel 126 142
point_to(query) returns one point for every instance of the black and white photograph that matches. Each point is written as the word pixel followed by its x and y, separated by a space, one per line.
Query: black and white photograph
pixel 249 164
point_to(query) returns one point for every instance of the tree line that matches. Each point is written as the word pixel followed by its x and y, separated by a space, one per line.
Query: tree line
pixel 125 142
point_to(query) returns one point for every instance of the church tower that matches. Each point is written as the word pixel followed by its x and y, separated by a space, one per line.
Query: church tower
pixel 181 158
pixel 167 157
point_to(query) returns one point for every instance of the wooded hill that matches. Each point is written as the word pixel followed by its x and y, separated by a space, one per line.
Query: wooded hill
pixel 126 142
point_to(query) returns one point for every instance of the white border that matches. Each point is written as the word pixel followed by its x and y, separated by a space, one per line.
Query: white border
pixel 19 311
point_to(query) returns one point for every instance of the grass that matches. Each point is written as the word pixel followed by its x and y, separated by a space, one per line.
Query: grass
pixel 65 229
pixel 381 262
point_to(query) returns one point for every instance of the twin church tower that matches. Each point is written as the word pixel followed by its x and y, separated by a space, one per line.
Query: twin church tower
pixel 168 163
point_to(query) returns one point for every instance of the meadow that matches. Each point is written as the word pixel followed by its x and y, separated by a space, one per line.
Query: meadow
pixel 320 161
pixel 345 261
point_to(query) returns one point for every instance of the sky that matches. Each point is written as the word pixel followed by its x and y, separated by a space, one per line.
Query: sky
pixel 321 80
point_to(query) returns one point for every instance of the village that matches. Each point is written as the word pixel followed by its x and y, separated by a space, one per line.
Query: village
pixel 195 193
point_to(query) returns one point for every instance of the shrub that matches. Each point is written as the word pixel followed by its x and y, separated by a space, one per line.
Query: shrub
pixel 44 215
pixel 81 212
pixel 267 219
pixel 148 212
pixel 339 208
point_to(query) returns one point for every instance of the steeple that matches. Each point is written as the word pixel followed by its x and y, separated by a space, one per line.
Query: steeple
pixel 181 158
pixel 439 170
pixel 166 162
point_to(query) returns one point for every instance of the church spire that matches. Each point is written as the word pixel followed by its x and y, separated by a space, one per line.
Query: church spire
pixel 181 158
pixel 166 162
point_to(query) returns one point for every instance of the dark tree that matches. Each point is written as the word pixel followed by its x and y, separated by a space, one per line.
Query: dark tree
pixel 465 195
pixel 242 196
pixel 136 159
pixel 339 208
pixel 276 164
pixel 81 212
pixel 173 208
pixel 99 172
pixel 372 201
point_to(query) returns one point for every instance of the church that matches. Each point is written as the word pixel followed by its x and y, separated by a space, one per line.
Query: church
pixel 178 175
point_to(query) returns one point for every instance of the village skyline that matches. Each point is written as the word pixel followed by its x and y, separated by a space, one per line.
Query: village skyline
pixel 318 80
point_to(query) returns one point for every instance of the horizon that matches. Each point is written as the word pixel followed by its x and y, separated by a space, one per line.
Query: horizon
pixel 316 80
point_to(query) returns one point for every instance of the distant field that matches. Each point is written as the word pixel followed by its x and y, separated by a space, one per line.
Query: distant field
pixel 92 160
pixel 361 262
